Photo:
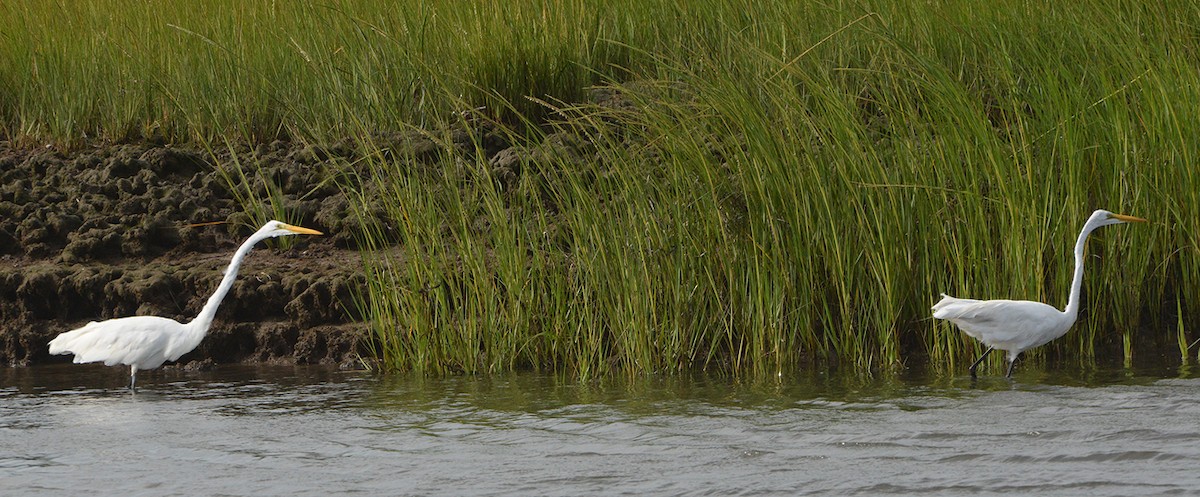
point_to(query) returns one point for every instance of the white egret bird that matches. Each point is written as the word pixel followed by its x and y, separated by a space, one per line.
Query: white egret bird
pixel 1019 325
pixel 145 342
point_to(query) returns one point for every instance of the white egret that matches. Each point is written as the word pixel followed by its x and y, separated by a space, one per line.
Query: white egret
pixel 1019 325
pixel 145 342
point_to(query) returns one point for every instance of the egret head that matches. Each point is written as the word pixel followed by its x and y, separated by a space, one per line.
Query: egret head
pixel 276 228
pixel 1104 218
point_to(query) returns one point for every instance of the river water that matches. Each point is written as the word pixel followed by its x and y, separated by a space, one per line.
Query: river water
pixel 259 431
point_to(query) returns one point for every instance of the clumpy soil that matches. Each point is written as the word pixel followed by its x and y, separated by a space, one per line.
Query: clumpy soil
pixel 105 231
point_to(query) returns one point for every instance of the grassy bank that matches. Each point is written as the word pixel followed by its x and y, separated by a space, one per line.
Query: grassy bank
pixel 718 184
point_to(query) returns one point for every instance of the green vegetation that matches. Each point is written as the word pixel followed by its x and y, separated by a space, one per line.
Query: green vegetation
pixel 719 184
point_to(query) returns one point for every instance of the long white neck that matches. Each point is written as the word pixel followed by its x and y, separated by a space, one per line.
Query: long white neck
pixel 1072 309
pixel 202 321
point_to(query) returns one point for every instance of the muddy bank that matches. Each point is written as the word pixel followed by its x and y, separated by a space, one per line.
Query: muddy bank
pixel 102 232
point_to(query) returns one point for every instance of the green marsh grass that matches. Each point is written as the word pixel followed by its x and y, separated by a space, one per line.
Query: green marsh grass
pixel 718 185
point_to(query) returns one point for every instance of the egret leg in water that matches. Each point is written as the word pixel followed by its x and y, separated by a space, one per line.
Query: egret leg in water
pixel 1010 368
pixel 1019 325
pixel 981 358
pixel 146 342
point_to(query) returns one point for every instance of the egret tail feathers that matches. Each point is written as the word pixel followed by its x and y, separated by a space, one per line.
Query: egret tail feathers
pixel 950 307
pixel 941 304
pixel 65 342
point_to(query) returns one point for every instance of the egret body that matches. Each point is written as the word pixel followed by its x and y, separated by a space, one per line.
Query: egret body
pixel 1019 325
pixel 145 342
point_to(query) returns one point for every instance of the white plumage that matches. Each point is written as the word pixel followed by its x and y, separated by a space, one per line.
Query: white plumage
pixel 146 342
pixel 1019 325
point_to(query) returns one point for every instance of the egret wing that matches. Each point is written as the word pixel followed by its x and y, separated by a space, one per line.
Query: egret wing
pixel 139 341
pixel 1004 324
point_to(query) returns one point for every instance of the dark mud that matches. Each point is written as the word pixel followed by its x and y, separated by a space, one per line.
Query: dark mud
pixel 103 231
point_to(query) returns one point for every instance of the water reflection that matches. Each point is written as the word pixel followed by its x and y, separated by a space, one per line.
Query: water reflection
pixel 240 430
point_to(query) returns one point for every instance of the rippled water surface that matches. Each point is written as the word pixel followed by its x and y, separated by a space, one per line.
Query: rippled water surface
pixel 236 430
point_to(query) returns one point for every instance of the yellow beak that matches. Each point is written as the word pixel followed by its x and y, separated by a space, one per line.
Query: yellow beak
pixel 301 230
pixel 1129 219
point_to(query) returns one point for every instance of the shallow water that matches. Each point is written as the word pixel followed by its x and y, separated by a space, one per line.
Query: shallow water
pixel 240 430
